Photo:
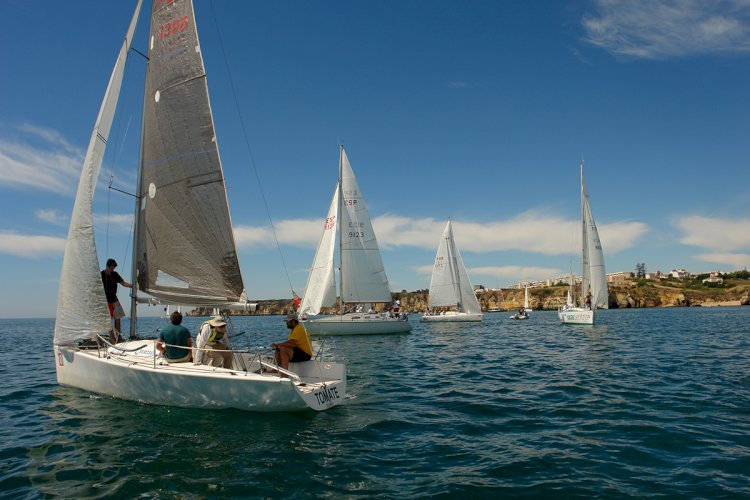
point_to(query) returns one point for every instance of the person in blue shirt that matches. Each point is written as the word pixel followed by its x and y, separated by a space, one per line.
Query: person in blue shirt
pixel 174 341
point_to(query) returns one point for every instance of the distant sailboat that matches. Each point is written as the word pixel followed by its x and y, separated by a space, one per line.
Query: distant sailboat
pixel 526 307
pixel 594 293
pixel 362 276
pixel 450 285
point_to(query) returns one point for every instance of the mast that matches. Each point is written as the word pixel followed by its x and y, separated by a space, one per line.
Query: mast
pixel 136 224
pixel 584 250
pixel 341 229
pixel 455 274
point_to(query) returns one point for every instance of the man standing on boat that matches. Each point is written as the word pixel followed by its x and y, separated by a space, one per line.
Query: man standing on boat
pixel 297 347
pixel 110 280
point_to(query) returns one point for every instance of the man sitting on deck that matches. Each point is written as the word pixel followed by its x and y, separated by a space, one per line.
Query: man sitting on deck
pixel 174 336
pixel 297 347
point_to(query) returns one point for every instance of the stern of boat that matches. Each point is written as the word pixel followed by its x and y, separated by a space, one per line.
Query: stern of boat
pixel 322 384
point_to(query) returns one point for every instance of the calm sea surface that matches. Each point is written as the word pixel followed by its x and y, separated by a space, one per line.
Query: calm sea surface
pixel 647 402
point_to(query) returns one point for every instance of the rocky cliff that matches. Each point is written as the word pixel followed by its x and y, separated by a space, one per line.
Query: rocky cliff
pixel 551 298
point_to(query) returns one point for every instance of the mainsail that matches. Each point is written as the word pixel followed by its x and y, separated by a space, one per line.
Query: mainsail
pixel 363 276
pixel 81 304
pixel 186 249
pixel 450 285
pixel 320 290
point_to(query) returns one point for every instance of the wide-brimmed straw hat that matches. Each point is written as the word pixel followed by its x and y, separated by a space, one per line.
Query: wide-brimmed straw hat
pixel 217 321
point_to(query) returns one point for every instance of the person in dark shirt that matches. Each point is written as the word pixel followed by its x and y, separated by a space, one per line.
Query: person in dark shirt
pixel 110 280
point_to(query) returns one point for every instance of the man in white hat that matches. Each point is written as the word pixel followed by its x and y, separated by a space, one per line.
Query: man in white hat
pixel 211 344
pixel 297 347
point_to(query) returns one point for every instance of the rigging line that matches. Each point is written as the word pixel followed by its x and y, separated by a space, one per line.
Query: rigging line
pixel 118 151
pixel 247 145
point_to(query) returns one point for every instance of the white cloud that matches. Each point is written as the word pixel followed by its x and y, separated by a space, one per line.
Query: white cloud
pixel 732 261
pixel 528 232
pixel 519 273
pixel 122 223
pixel 660 29
pixel 24 245
pixel 39 159
pixel 296 232
pixel 714 233
pixel 52 137
pixel 251 237
pixel 53 217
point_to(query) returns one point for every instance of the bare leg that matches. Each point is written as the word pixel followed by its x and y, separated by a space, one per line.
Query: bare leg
pixel 118 330
pixel 283 355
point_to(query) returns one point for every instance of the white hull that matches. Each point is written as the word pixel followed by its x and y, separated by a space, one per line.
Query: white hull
pixel 576 316
pixel 140 376
pixel 453 316
pixel 516 316
pixel 356 324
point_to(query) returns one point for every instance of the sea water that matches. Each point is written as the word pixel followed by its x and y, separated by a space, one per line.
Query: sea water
pixel 646 402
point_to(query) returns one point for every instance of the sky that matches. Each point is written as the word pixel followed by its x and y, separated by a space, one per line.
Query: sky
pixel 480 111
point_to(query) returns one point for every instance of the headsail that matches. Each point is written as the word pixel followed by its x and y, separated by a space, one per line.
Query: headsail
pixel 81 304
pixel 186 244
pixel 450 285
pixel 320 290
pixel 363 274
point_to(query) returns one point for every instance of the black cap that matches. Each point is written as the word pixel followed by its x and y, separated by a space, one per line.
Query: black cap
pixel 111 263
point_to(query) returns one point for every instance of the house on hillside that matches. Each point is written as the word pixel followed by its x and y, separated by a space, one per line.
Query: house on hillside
pixel 714 278
pixel 619 278
pixel 680 274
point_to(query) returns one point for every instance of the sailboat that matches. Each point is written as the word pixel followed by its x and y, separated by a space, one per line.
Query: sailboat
pixel 523 312
pixel 183 247
pixel 450 285
pixel 594 293
pixel 526 307
pixel 362 278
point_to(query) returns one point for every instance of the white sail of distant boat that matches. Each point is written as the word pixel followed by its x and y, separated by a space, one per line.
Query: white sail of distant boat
pixel 594 292
pixel 320 290
pixel 523 312
pixel 184 249
pixel 362 278
pixel 450 286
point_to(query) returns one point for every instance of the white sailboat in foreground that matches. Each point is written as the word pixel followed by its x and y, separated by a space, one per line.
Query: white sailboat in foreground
pixel 362 276
pixel 184 248
pixel 594 280
pixel 450 285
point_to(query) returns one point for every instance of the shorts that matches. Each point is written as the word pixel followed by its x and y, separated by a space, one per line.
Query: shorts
pixel 299 355
pixel 115 310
